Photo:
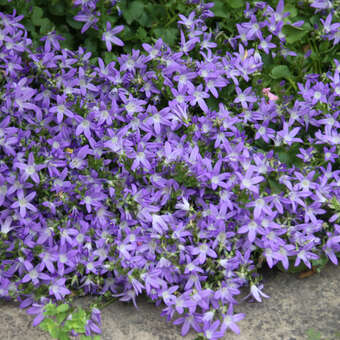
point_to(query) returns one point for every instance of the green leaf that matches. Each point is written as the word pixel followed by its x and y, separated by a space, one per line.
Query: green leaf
pixel 320 263
pixel 288 155
pixel 57 8
pixel 63 335
pixel 68 42
pixel 61 317
pixel 84 337
pixel 144 20
pixel 292 10
pixel 74 24
pixel 235 3
pixel 50 326
pixel 74 325
pixel 133 11
pixel 91 44
pixel 220 10
pixel 275 186
pixel 63 308
pixel 50 309
pixel 54 331
pixel 314 20
pixel 126 34
pixel 281 71
pixel 108 57
pixel 157 11
pixel 293 34
pixel 324 46
pixel 141 33
pixel 169 35
pixel 45 26
pixel 37 13
pixel 44 324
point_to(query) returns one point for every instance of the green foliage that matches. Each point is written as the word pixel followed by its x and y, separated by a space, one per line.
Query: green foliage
pixel 145 21
pixel 220 10
pixel 61 319
pixel 292 269
pixel 37 14
pixel 236 3
pixel 183 177
pixel 134 11
pixel 281 71
pixel 293 34
pixel 288 156
pixel 320 263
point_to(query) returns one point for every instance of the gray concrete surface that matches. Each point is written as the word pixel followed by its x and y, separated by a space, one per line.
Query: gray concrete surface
pixel 295 305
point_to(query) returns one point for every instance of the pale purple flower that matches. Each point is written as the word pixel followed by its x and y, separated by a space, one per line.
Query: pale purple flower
pixel 58 289
pixel 23 203
pixel 288 136
pixel 29 170
pixel 249 181
pixel 109 36
pixel 257 293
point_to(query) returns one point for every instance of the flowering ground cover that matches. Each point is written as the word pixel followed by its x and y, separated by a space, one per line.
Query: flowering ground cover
pixel 174 169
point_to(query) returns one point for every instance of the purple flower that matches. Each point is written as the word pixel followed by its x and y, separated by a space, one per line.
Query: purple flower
pixel 61 109
pixel 140 157
pixel 153 51
pixel 203 251
pixel 331 247
pixel 197 96
pixel 23 202
pixel 251 228
pixel 38 310
pixel 29 170
pixel 189 320
pixel 265 44
pixel 4 190
pixel 189 21
pixel 159 118
pixel 183 301
pixel 249 181
pixel 322 4
pixel 51 39
pixel 6 225
pixel 90 19
pixel 47 261
pixel 34 274
pixel 211 332
pixel 184 81
pixel 305 255
pixel 78 161
pixel 187 46
pixel 289 136
pixel 245 97
pixel 257 293
pixel 229 321
pixel 110 36
pixel 217 178
pixel 58 290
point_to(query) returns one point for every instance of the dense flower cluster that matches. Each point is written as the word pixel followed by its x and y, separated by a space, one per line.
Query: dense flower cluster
pixel 165 172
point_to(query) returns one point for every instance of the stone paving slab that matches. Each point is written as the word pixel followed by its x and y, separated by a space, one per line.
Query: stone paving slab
pixel 294 306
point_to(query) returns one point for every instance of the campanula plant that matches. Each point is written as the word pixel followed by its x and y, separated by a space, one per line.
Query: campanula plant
pixel 171 170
